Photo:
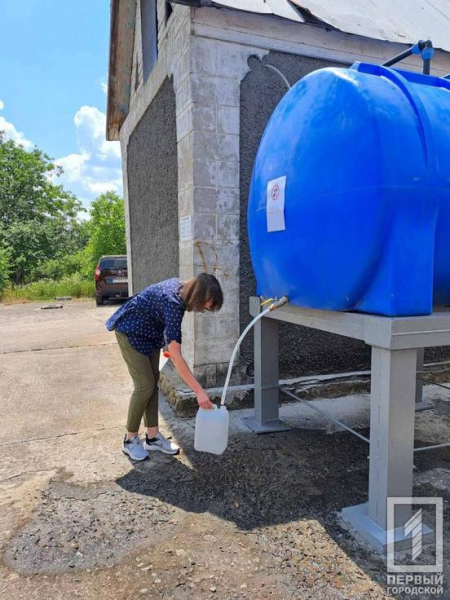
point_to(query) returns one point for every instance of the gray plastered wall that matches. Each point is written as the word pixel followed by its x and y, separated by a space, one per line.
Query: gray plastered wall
pixel 153 192
pixel 150 153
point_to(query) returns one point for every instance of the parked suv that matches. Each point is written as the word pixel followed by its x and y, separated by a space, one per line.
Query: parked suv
pixel 111 278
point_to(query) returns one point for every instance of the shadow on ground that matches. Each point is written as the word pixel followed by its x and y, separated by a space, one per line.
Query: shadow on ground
pixel 299 479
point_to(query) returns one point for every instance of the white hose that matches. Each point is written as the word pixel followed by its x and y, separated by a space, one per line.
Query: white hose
pixel 273 306
pixel 286 82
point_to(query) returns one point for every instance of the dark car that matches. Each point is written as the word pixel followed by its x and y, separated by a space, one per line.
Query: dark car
pixel 111 278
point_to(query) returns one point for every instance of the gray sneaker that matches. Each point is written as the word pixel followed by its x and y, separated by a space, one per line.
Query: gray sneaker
pixel 134 448
pixel 161 444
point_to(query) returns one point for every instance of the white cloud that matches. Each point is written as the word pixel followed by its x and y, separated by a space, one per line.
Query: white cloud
pixel 96 168
pixel 91 130
pixel 73 165
pixel 104 86
pixel 98 187
pixel 11 132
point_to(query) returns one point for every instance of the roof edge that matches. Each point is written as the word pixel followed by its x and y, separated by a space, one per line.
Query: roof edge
pixel 121 46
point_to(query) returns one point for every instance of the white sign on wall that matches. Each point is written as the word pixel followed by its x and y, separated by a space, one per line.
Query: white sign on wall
pixel 186 228
pixel 275 204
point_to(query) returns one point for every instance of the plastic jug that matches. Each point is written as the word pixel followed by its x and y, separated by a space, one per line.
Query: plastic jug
pixel 211 430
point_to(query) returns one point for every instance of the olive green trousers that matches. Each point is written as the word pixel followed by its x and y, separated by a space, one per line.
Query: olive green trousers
pixel 144 371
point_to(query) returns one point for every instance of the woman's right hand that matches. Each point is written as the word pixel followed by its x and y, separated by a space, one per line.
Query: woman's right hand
pixel 186 375
pixel 204 400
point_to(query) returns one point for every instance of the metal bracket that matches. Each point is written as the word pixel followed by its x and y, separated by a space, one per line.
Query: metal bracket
pixel 422 47
pixel 325 414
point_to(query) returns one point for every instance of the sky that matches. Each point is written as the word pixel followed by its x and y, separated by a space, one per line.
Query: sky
pixel 53 66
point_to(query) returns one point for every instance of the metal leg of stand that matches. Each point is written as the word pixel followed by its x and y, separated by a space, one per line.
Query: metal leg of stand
pixel 393 389
pixel 420 404
pixel 266 417
pixel 391 428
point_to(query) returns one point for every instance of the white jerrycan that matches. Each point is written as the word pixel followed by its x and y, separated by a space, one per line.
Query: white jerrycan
pixel 211 425
pixel 211 430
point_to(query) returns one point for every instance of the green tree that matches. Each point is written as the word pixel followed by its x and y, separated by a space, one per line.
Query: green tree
pixel 27 189
pixel 5 268
pixel 38 218
pixel 106 227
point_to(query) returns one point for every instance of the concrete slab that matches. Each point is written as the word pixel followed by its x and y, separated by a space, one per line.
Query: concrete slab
pixel 25 327
pixel 378 537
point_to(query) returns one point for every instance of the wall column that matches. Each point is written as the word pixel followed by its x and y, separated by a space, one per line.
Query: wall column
pixel 208 102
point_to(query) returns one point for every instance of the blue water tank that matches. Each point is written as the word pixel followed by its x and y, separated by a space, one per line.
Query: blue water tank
pixel 349 204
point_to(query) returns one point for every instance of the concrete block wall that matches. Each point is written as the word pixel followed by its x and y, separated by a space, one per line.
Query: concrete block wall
pixel 208 152
pixel 206 76
pixel 206 53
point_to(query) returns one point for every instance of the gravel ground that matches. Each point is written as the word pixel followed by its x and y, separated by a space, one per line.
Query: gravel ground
pixel 77 518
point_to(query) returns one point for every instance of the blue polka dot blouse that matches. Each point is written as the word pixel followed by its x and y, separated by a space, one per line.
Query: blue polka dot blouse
pixel 151 315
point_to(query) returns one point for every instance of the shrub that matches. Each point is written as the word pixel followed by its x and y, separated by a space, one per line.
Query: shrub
pixel 5 268
pixel 47 289
pixel 60 268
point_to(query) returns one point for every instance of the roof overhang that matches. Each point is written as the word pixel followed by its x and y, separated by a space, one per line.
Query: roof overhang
pixel 121 45
pixel 280 8
pixel 386 20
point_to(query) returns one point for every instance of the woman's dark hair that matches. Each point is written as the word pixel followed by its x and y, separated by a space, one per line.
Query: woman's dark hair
pixel 200 290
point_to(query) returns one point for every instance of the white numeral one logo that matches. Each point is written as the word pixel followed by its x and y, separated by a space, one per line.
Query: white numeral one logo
pixel 418 532
pixel 414 527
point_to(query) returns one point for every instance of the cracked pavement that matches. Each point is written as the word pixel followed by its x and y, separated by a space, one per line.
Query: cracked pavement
pixel 77 518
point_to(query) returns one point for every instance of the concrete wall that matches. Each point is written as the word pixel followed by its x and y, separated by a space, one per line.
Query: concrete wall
pixel 206 81
pixel 208 133
pixel 153 192
pixel 150 152
pixel 219 105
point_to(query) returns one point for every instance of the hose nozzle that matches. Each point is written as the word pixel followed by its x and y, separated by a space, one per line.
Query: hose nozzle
pixel 281 302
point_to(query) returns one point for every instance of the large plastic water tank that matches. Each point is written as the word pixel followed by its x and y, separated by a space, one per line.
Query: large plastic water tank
pixel 349 204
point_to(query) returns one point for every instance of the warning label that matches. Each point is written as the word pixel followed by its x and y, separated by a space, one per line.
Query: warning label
pixel 275 204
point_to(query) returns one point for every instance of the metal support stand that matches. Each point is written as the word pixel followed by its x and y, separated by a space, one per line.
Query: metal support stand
pixel 391 445
pixel 397 352
pixel 420 404
pixel 266 418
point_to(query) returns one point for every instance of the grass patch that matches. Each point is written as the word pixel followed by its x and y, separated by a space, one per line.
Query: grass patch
pixel 47 289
